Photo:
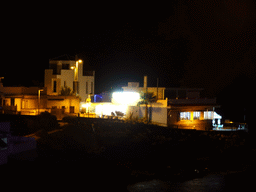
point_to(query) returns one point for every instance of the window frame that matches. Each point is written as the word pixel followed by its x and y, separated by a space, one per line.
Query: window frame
pixel 185 115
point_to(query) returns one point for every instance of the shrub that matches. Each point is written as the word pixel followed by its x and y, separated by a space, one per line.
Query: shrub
pixel 46 121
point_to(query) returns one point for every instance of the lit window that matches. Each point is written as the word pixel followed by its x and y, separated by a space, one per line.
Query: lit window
pixel 184 115
pixel 196 115
pixel 208 115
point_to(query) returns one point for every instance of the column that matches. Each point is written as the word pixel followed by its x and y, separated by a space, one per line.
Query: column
pixel 201 115
pixel 191 116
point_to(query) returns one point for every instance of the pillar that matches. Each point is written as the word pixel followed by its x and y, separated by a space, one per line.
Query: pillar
pixel 201 115
pixel 191 116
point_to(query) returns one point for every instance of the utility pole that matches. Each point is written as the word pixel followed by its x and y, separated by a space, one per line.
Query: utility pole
pixel 39 100
pixel 157 88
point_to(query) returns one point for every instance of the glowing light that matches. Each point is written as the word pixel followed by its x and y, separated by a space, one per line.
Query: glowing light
pixel 86 105
pixel 80 61
pixel 108 109
pixel 125 98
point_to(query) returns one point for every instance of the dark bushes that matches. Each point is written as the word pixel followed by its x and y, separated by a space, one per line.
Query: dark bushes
pixel 45 121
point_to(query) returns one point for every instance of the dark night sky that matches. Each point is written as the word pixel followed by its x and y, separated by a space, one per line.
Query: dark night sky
pixel 191 43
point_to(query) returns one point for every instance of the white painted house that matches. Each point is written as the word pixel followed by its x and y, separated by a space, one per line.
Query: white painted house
pixel 65 71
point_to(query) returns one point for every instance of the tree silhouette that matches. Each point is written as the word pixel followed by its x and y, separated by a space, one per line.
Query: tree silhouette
pixel 66 91
pixel 147 98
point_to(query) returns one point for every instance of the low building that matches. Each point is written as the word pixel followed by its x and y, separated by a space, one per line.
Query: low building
pixel 34 100
pixel 157 112
pixel 102 97
pixel 175 107
pixel 187 110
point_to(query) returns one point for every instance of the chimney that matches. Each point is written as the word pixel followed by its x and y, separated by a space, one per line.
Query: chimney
pixel 145 82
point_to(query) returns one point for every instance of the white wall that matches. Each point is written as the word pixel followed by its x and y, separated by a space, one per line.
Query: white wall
pixel 68 76
pixel 159 115
pixel 156 114
pixel 82 86
pixel 48 76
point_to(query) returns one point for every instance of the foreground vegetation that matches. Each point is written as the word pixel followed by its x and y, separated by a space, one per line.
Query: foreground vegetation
pixel 133 150
pixel 152 147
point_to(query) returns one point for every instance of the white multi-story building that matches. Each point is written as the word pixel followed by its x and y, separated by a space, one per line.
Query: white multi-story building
pixel 65 71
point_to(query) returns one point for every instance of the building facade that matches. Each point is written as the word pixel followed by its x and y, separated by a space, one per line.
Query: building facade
pixel 34 100
pixel 187 110
pixel 181 107
pixel 70 72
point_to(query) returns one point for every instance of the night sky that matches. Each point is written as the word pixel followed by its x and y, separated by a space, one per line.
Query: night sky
pixel 208 44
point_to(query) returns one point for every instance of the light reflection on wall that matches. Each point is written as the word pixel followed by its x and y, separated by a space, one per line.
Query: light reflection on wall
pixel 107 108
pixel 120 103
pixel 125 98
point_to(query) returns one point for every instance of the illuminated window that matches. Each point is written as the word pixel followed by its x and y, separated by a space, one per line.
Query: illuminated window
pixel 196 115
pixel 208 115
pixel 184 115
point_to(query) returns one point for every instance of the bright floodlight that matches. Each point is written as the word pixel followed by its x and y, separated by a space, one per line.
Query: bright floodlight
pixel 107 108
pixel 126 98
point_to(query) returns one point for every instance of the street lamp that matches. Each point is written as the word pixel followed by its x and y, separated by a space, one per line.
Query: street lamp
pixel 39 100
pixel 75 68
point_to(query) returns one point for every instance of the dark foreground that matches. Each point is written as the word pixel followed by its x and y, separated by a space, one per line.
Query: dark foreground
pixel 127 157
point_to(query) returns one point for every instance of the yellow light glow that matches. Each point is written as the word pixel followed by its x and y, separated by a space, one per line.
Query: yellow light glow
pixel 72 67
pixel 125 98
pixel 107 108
pixel 86 105
pixel 80 61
